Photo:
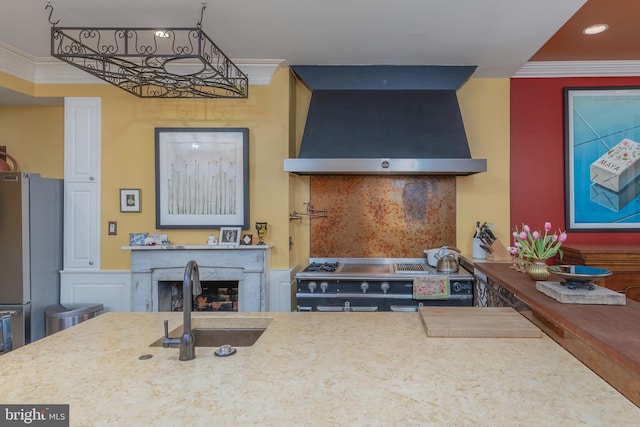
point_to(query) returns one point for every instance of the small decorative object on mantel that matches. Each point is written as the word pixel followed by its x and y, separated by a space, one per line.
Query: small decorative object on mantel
pixel 261 228
pixel 532 249
pixel 212 240
pixel 247 239
pixel 158 239
pixel 230 236
pixel 138 239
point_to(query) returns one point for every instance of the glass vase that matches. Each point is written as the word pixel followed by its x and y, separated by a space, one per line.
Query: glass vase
pixel 537 269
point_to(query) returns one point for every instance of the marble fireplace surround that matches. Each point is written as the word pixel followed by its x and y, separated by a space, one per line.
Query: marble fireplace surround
pixel 245 264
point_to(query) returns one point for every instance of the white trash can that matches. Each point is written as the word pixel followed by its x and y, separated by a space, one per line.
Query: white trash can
pixel 61 317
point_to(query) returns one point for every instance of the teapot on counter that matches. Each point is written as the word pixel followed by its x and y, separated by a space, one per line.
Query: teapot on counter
pixel 4 166
pixel 447 262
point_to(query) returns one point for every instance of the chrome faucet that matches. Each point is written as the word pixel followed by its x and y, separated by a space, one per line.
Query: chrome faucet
pixel 190 288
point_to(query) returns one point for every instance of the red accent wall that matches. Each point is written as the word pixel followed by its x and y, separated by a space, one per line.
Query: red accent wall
pixel 537 154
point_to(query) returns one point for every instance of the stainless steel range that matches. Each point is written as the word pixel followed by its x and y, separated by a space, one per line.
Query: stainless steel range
pixel 374 284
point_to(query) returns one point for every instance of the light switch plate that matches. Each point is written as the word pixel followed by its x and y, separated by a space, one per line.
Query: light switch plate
pixel 113 228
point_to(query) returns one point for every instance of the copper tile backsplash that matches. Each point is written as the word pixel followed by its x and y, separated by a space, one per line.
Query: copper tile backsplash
pixel 382 216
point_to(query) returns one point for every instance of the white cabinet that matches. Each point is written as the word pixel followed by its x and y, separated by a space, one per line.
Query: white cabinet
pixel 81 280
pixel 109 288
pixel 82 129
pixel 80 223
pixel 82 142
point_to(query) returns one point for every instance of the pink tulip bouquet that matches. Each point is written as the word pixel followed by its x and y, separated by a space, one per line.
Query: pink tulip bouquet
pixel 533 245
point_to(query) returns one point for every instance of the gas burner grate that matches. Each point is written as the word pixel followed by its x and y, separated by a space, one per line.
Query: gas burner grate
pixel 324 267
pixel 410 267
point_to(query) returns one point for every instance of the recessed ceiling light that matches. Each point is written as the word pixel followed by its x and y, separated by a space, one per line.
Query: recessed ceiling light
pixel 595 29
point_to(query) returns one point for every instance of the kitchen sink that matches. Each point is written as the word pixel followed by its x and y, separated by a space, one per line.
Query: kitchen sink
pixel 235 337
pixel 215 332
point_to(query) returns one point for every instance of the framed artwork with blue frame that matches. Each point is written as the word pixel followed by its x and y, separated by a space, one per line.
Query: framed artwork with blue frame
pixel 602 158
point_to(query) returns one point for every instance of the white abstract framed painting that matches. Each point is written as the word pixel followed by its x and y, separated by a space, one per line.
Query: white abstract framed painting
pixel 202 177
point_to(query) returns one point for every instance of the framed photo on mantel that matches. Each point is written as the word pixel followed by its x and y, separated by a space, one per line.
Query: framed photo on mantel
pixel 602 158
pixel 202 177
pixel 229 236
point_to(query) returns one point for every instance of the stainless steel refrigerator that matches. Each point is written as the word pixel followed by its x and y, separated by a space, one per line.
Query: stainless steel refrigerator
pixel 31 221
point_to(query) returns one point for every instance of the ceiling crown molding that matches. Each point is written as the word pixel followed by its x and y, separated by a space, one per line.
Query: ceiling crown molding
pixel 52 71
pixel 539 69
pixel 16 63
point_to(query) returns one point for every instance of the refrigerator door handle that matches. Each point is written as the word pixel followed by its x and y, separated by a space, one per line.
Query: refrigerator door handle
pixel 5 327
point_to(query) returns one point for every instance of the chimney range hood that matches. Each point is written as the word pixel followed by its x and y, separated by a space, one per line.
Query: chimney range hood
pixel 377 120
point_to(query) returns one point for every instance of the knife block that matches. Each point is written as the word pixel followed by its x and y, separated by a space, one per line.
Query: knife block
pixel 498 252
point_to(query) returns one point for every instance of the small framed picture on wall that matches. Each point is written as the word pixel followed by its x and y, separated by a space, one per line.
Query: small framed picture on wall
pixel 129 200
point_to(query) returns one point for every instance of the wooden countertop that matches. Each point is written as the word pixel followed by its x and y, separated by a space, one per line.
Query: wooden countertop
pixel 622 259
pixel 312 369
pixel 600 247
pixel 608 336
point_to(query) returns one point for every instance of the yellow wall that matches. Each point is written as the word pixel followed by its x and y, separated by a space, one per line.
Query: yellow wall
pixel 128 146
pixel 485 196
pixel 299 185
pixel 35 136
pixel 16 84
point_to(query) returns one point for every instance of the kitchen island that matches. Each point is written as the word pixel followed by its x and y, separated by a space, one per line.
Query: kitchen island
pixel 308 369
pixel 604 337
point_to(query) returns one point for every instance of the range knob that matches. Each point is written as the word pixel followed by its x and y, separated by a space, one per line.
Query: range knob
pixel 457 286
pixel 312 287
pixel 364 286
pixel 384 286
pixel 324 286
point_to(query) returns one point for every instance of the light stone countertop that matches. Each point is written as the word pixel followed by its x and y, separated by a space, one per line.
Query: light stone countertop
pixel 309 369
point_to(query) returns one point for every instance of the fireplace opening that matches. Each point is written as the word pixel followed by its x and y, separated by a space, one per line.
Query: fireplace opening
pixel 219 295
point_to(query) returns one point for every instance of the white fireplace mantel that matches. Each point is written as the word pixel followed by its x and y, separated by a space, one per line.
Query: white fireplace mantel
pixel 246 264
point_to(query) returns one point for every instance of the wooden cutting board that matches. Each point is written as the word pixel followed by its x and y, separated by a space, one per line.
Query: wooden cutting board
pixel 477 322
